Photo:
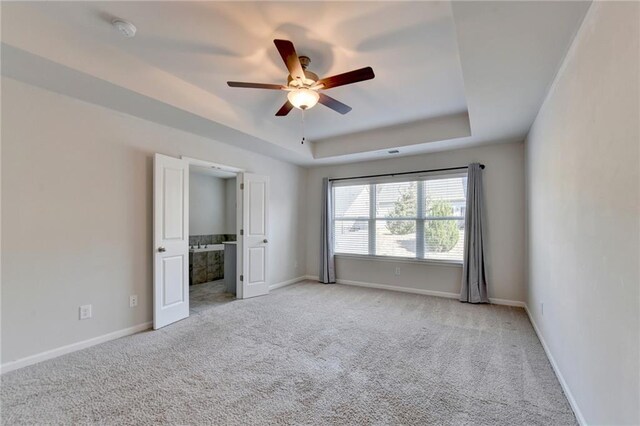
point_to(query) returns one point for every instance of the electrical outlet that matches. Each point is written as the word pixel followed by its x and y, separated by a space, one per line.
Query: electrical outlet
pixel 133 300
pixel 542 308
pixel 295 265
pixel 85 312
pixel 397 270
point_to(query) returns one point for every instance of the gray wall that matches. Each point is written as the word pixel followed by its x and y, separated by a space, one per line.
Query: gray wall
pixel 583 194
pixel 230 206
pixel 77 215
pixel 504 193
pixel 207 204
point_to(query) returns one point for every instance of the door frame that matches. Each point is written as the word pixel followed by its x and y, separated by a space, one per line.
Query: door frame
pixel 239 209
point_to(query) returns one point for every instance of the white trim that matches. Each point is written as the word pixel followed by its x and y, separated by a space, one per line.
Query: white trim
pixel 556 369
pixel 63 350
pixel 288 282
pixel 205 163
pixel 507 302
pixel 435 293
pixel 400 289
pixel 371 257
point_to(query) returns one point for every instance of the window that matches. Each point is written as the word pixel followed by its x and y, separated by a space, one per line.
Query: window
pixel 418 218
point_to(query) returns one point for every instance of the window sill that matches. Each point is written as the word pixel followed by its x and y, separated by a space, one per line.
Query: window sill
pixel 450 263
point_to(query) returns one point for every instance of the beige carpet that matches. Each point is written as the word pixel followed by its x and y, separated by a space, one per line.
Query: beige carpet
pixel 305 354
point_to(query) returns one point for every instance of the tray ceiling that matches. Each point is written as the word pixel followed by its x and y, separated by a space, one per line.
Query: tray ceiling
pixel 444 72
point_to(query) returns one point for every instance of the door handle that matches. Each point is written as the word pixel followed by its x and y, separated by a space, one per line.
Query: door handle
pixel 265 241
pixel 162 249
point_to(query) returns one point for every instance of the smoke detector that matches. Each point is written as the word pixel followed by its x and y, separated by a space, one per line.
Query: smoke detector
pixel 125 28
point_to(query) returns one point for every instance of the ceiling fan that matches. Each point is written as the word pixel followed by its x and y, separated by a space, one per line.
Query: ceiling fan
pixel 304 86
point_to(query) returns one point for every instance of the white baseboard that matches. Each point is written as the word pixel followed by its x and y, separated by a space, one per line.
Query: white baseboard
pixel 288 282
pixel 400 289
pixel 54 353
pixel 507 302
pixel 554 365
pixel 425 292
pixel 63 350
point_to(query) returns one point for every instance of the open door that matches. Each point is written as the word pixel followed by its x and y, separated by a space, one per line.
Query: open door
pixel 254 278
pixel 170 240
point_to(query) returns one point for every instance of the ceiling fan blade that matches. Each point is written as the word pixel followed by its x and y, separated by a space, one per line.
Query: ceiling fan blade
pixel 347 78
pixel 290 58
pixel 286 108
pixel 334 104
pixel 255 85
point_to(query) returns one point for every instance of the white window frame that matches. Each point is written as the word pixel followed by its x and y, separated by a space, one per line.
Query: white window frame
pixel 372 218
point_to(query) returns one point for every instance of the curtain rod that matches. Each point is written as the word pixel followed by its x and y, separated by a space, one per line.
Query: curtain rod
pixel 403 173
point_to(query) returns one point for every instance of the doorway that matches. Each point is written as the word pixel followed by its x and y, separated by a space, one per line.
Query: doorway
pixel 212 237
pixel 174 246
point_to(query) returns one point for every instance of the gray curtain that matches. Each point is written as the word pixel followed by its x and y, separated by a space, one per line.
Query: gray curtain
pixel 474 280
pixel 327 273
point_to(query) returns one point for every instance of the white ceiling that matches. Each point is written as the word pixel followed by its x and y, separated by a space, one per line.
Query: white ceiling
pixel 447 74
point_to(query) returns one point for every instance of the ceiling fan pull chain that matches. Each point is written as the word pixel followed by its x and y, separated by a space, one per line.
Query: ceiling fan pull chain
pixel 302 127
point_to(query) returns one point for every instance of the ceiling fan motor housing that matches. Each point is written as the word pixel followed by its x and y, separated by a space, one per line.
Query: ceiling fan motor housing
pixel 304 61
pixel 311 77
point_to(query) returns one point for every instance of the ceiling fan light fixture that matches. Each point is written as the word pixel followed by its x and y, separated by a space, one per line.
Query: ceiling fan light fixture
pixel 303 98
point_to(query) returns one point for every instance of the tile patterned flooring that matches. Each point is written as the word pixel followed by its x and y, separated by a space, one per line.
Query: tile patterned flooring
pixel 207 295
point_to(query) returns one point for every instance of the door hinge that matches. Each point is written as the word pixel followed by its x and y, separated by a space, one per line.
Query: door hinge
pixel 242 232
pixel 241 277
pixel 242 186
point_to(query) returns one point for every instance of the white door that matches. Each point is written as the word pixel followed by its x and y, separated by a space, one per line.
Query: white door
pixel 170 240
pixel 254 279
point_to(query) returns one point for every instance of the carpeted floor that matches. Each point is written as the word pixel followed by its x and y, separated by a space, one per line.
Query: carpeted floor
pixel 305 354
